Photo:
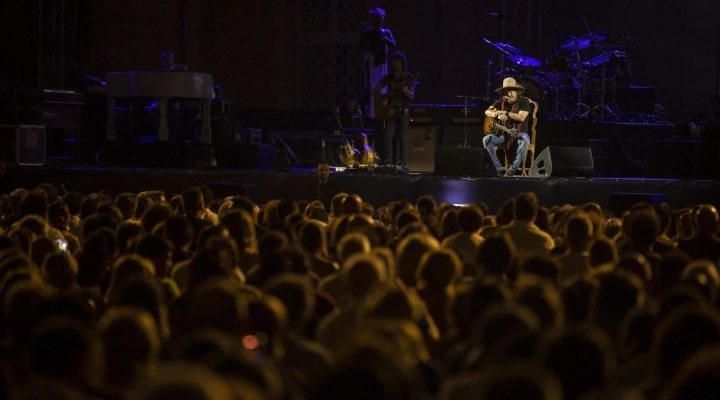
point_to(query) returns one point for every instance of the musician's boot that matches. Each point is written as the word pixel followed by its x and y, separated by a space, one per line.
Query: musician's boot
pixel 510 172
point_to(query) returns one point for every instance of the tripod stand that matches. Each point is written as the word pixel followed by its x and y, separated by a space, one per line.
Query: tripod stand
pixel 716 97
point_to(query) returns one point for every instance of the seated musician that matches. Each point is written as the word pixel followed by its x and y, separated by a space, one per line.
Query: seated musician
pixel 173 105
pixel 168 62
pixel 400 92
pixel 510 110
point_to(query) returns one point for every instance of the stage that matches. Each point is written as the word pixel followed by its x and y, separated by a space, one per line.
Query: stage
pixel 377 188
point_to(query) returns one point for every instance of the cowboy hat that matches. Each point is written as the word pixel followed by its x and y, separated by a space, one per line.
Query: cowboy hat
pixel 510 84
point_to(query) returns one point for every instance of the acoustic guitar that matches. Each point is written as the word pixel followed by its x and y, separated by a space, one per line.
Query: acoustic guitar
pixel 368 156
pixel 347 153
pixel 394 96
pixel 493 127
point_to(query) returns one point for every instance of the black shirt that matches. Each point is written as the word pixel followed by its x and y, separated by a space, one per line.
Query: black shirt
pixel 524 105
pixel 395 85
pixel 324 193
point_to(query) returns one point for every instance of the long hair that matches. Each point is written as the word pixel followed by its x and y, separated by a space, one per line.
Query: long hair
pixel 378 12
pixel 401 56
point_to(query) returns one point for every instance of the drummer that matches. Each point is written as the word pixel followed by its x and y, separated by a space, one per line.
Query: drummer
pixel 512 110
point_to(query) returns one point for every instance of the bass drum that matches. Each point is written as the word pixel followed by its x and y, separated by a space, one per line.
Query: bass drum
pixel 538 90
pixel 533 87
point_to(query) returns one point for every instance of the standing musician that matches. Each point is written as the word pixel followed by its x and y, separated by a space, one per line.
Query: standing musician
pixel 400 92
pixel 511 110
pixel 376 42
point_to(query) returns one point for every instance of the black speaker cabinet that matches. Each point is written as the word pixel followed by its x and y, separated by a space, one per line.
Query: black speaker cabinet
pixel 458 161
pixel 563 161
pixel 685 159
pixel 454 136
pixel 246 156
pixel 421 148
pixel 309 147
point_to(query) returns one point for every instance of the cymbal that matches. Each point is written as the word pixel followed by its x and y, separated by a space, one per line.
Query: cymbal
pixel 504 47
pixel 524 60
pixel 596 36
pixel 573 43
pixel 605 57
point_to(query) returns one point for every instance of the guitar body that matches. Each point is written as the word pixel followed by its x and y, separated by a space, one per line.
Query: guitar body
pixel 368 156
pixel 383 112
pixel 491 126
pixel 388 110
pixel 488 125
pixel 348 154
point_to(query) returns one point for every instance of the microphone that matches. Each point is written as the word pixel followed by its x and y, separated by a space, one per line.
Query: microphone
pixel 581 17
pixel 498 15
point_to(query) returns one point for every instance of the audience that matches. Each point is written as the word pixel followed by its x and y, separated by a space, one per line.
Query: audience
pixel 141 298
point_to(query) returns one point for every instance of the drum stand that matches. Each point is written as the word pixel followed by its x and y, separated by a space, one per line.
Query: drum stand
pixel 488 67
pixel 490 73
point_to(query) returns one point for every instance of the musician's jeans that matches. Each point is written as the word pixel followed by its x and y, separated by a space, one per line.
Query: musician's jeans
pixel 402 125
pixel 490 141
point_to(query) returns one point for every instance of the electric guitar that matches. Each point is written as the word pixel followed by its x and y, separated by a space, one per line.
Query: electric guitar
pixel 394 96
pixel 368 156
pixel 492 127
pixel 347 152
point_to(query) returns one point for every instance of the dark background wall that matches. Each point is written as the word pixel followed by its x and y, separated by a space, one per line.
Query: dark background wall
pixel 259 48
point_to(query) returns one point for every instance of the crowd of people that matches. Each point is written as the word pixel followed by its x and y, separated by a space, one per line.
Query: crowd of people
pixel 135 296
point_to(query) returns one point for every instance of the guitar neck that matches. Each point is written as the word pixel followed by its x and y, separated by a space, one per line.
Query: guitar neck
pixel 360 119
pixel 502 128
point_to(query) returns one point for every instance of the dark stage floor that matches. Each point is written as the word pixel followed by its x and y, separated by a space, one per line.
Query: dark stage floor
pixel 376 188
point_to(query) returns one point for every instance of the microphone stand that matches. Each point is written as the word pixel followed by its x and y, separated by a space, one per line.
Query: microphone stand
pixel 465 113
pixel 602 82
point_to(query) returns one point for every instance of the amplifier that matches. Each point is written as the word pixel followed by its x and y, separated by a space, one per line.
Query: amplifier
pixel 454 136
pixel 426 113
pixel 62 97
pixel 457 113
pixel 30 145
pixel 62 109
pixel 448 113
pixel 421 148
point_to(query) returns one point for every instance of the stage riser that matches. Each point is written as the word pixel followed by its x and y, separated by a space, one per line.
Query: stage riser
pixel 377 189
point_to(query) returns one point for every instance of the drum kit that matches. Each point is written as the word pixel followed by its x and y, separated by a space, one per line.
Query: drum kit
pixel 572 83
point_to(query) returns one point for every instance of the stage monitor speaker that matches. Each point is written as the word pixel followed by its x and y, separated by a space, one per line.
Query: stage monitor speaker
pixel 421 148
pixel 563 161
pixel 454 136
pixel 459 161
pixel 309 147
pixel 619 202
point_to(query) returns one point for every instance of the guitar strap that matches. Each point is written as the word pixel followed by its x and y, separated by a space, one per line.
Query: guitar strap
pixel 514 109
